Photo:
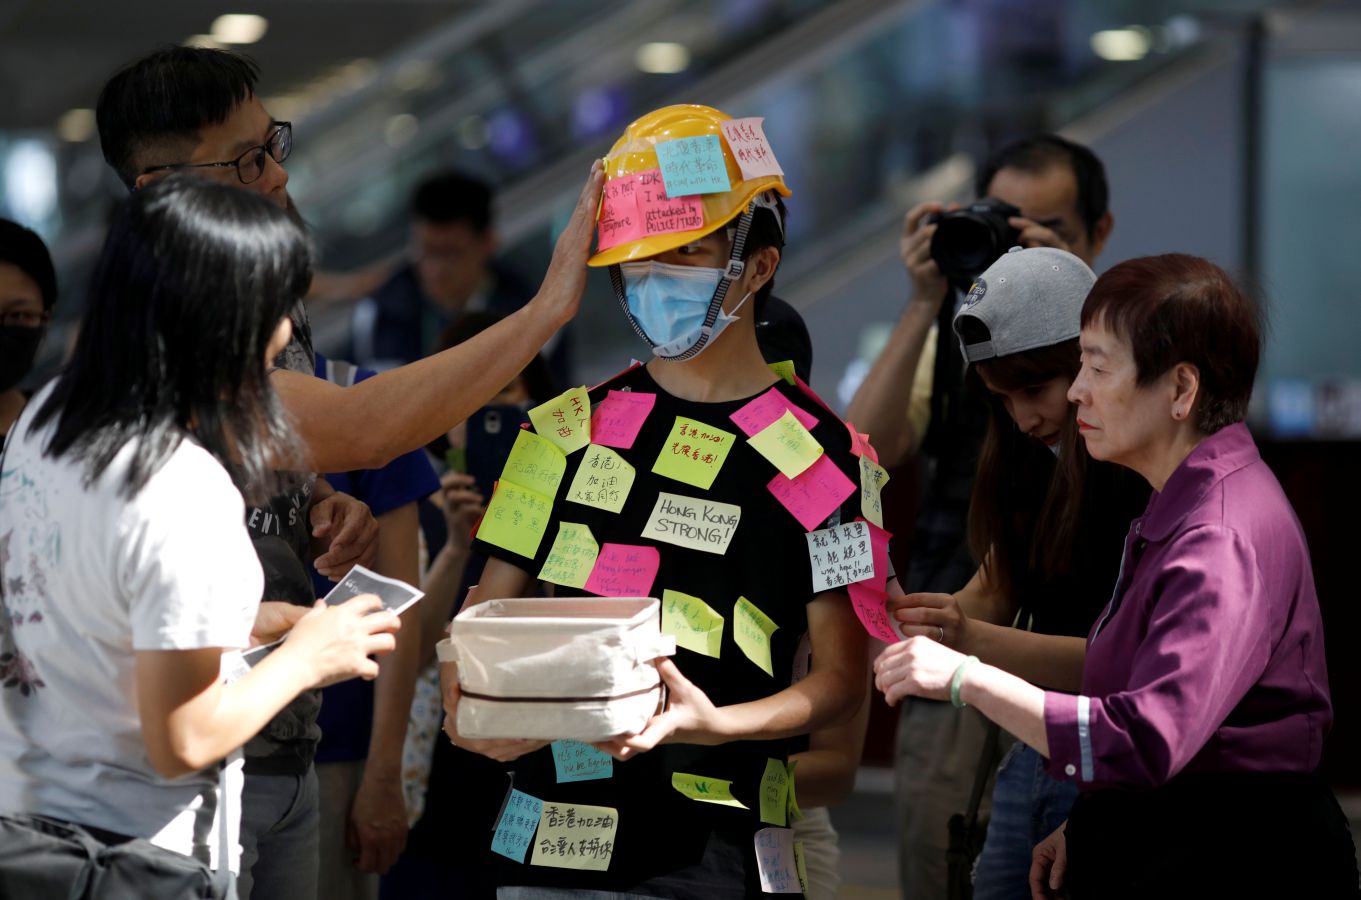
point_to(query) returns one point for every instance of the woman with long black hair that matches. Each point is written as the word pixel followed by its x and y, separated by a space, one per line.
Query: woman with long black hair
pixel 1047 521
pixel 125 567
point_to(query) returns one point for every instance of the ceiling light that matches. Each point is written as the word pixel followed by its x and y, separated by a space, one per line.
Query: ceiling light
pixel 76 125
pixel 239 28
pixel 1122 44
pixel 662 58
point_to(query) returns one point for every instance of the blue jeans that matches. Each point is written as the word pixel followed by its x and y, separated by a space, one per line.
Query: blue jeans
pixel 1027 805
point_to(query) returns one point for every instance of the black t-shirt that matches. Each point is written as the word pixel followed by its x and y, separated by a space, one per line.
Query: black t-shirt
pixel 1069 603
pixel 668 845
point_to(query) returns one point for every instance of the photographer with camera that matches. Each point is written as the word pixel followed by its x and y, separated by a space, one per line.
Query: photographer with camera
pixel 1042 191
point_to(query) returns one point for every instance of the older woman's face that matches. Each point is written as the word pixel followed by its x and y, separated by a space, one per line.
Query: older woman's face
pixel 1120 421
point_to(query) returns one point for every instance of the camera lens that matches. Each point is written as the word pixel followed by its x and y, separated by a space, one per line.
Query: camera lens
pixel 969 240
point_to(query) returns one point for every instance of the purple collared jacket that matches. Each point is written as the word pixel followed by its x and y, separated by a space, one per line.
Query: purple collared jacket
pixel 1209 657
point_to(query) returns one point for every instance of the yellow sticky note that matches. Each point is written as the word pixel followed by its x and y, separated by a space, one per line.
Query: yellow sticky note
pixel 565 420
pixel 694 452
pixel 784 368
pixel 603 479
pixel 705 790
pixel 572 556
pixel 795 814
pixel 575 836
pixel 873 477
pixel 751 629
pixel 516 519
pixel 788 445
pixel 690 522
pixel 775 793
pixel 801 866
pixel 692 622
pixel 535 463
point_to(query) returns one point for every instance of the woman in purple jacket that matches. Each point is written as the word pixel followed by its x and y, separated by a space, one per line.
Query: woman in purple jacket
pixel 1204 698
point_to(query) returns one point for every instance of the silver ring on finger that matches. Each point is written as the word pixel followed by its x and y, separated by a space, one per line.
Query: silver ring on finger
pixel 941 639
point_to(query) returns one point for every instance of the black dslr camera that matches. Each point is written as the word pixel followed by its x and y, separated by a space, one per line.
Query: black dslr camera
pixel 969 240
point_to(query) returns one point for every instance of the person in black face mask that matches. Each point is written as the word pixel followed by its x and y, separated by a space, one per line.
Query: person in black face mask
pixel 28 289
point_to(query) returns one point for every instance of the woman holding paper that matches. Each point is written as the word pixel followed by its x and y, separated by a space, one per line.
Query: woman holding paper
pixel 1204 697
pixel 124 559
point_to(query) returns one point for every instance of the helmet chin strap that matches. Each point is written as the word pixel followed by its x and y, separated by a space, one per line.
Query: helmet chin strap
pixel 732 273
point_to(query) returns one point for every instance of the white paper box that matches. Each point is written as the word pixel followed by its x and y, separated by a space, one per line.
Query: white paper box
pixel 545 668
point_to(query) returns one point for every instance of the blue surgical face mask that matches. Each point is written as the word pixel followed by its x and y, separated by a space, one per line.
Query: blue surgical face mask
pixel 669 304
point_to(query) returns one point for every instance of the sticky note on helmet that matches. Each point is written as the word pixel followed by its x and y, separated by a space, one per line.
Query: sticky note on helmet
pixel 747 141
pixel 693 165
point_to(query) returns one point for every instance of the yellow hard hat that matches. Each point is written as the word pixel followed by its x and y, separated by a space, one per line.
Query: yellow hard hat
pixel 636 151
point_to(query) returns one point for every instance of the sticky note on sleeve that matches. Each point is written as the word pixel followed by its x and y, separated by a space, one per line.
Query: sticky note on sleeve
pixel 535 463
pixel 775 793
pixel 788 445
pixel 705 790
pixel 748 143
pixel 751 630
pixel 695 624
pixel 775 861
pixel 565 420
pixel 572 556
pixel 516 519
pixel 785 369
pixel 760 413
pixel 515 829
pixel 840 555
pixel 619 417
pixel 873 477
pixel 693 165
pixel 815 494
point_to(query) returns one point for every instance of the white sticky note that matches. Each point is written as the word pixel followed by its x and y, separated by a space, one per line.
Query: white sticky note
pixel 840 555
pixel 690 522
pixel 775 861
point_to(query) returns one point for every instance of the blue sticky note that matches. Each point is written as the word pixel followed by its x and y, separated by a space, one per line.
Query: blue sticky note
pixel 517 825
pixel 693 165
pixel 576 761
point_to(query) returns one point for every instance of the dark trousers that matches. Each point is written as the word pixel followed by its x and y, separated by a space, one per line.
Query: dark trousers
pixel 1230 835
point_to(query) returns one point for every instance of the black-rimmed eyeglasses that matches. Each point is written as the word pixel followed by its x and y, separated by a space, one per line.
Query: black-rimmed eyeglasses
pixel 251 164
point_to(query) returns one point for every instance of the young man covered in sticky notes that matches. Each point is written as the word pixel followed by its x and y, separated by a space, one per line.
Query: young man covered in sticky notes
pixel 706 533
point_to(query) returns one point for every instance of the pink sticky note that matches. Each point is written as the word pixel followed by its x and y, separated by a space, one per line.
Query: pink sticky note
pixel 624 570
pixel 868 603
pixel 860 445
pixel 757 415
pixel 879 539
pixel 619 218
pixel 747 140
pixel 815 494
pixel 660 213
pixel 617 418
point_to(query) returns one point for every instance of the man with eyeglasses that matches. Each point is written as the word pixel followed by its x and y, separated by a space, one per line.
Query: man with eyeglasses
pixel 195 109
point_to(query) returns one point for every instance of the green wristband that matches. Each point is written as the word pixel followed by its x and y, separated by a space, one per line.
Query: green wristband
pixel 958 678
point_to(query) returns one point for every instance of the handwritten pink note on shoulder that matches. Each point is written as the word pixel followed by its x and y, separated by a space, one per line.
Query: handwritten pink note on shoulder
pixel 868 603
pixel 619 416
pixel 879 539
pixel 814 495
pixel 860 445
pixel 757 415
pixel 624 570
pixel 747 140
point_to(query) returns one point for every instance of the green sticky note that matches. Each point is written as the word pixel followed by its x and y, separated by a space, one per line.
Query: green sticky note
pixel 705 790
pixel 516 519
pixel 795 814
pixel 751 629
pixel 692 622
pixel 801 866
pixel 775 793
pixel 694 452
pixel 603 480
pixel 535 463
pixel 565 420
pixel 572 556
pixel 785 369
pixel 873 477
pixel 788 445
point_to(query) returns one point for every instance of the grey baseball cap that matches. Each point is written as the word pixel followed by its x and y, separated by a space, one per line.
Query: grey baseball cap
pixel 1031 297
